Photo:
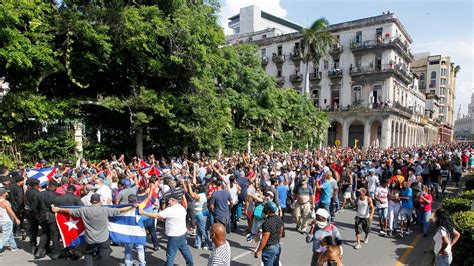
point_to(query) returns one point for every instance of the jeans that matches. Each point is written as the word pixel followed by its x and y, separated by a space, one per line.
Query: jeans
pixel 176 243
pixel 424 220
pixel 152 231
pixel 129 254
pixel 443 261
pixel 101 248
pixel 271 255
pixel 201 234
pixel 233 217
pixel 240 206
pixel 7 235
pixel 393 210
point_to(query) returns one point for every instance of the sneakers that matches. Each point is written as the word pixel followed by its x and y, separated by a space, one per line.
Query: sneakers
pixel 250 237
pixel 400 235
pixel 366 240
pixel 14 249
pixel 407 233
pixel 205 248
pixel 383 233
pixel 358 246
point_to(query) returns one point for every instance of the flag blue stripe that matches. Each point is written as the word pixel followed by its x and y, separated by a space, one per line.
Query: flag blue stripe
pixel 121 238
pixel 78 241
pixel 125 220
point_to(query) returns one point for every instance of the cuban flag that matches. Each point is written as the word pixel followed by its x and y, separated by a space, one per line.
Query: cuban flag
pixel 124 228
pixel 43 174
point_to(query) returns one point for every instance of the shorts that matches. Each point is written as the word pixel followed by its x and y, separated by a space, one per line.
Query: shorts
pixel 383 213
pixel 362 225
pixel 249 215
pixel 347 195
pixel 405 214
pixel 372 194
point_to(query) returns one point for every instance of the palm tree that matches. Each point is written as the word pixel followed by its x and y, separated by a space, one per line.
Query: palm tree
pixel 316 43
pixel 456 70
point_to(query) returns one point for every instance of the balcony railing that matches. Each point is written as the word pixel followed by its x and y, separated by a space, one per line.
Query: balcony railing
pixel 296 55
pixel 264 60
pixel 335 73
pixel 398 70
pixel 336 50
pixel 315 76
pixel 280 80
pixel 359 106
pixel 384 43
pixel 278 59
pixel 296 78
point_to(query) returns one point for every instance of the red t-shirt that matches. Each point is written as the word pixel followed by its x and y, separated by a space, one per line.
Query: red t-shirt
pixel 423 205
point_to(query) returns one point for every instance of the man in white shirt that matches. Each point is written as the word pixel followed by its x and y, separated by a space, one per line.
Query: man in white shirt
pixel 373 182
pixel 86 200
pixel 104 191
pixel 175 228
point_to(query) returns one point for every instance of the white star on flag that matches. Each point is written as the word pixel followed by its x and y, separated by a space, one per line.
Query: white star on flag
pixel 71 224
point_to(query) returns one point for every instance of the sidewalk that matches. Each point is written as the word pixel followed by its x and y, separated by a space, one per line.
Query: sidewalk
pixel 420 251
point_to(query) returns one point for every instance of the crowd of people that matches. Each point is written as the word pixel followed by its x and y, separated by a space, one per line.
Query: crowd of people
pixel 205 198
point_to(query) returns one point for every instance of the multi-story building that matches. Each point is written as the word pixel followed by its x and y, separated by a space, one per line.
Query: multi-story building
pixel 438 77
pixel 464 124
pixel 364 83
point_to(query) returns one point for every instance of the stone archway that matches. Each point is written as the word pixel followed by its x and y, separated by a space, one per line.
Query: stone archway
pixel 334 133
pixel 375 133
pixel 356 134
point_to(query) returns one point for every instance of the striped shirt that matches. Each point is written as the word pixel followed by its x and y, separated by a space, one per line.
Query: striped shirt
pixel 220 255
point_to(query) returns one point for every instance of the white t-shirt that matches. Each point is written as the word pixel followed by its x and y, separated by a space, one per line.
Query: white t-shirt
pixel 175 220
pixel 381 193
pixel 105 194
pixel 438 239
pixel 372 184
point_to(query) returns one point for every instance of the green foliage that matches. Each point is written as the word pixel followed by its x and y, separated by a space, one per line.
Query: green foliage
pixel 51 147
pixel 462 251
pixel 469 182
pixel 457 204
pixel 468 194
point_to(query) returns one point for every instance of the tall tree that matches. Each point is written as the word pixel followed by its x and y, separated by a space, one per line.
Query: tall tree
pixel 316 43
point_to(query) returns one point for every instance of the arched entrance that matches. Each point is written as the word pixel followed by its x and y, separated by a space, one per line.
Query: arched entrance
pixel 356 134
pixel 334 133
pixel 375 133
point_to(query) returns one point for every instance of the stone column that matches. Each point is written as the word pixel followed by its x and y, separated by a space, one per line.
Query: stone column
pixel 386 140
pixel 345 134
pixel 367 133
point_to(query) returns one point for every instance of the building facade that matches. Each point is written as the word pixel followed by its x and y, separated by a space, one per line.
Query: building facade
pixel 464 124
pixel 364 83
pixel 438 77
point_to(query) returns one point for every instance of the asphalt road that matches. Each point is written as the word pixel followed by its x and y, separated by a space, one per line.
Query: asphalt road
pixel 378 251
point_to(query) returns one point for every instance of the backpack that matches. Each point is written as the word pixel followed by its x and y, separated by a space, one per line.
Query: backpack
pixel 258 212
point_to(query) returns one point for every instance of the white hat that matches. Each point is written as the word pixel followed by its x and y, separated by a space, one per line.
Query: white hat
pixel 323 213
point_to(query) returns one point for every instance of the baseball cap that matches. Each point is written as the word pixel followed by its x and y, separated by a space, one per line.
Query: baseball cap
pixel 53 182
pixel 3 190
pixel 95 198
pixel 126 182
pixel 323 213
pixel 174 196
pixel 271 206
pixel 71 187
pixel 269 193
pixel 32 182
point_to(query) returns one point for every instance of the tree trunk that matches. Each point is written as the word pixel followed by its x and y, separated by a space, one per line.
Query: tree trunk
pixel 306 80
pixel 139 141
pixel 271 145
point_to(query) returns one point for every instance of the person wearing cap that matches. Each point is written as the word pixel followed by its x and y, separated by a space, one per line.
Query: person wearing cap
pixel 129 189
pixel 320 228
pixel 49 230
pixel 96 223
pixel 5 221
pixel 303 204
pixel 272 229
pixel 16 199
pixel 31 193
pixel 86 200
pixel 175 228
pixel 364 217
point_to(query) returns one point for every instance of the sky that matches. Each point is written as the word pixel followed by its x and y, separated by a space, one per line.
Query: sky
pixel 443 27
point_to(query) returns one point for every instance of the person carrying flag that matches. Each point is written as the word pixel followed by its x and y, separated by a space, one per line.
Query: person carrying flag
pixel 95 218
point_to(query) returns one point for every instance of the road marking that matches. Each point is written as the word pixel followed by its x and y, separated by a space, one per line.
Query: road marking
pixel 404 257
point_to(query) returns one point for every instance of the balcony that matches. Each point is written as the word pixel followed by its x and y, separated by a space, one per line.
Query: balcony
pixel 335 73
pixel 386 43
pixel 280 81
pixel 360 108
pixel 388 69
pixel 278 59
pixel 296 78
pixel 264 60
pixel 315 76
pixel 296 55
pixel 336 50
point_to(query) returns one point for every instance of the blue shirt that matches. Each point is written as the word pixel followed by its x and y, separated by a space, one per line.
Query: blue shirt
pixel 220 199
pixel 282 194
pixel 408 204
pixel 325 193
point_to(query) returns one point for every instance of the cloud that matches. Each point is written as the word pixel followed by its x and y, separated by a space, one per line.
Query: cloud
pixel 461 53
pixel 232 7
